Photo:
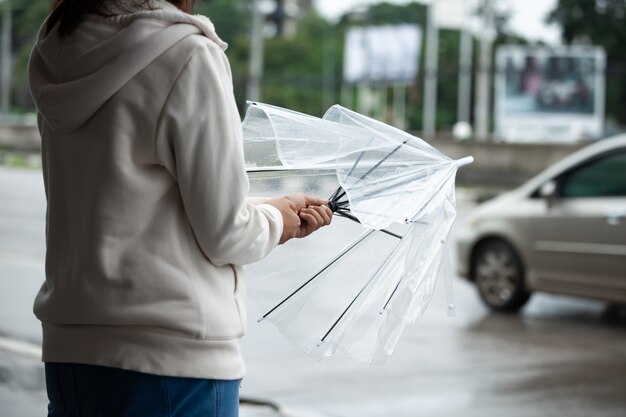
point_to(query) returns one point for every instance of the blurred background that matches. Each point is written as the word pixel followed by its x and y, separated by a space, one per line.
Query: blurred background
pixel 518 84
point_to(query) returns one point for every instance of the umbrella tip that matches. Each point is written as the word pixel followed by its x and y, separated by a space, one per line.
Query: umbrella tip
pixel 260 319
pixel 464 161
pixel 451 310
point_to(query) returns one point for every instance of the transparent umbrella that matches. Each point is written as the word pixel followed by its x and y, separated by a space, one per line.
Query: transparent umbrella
pixel 360 290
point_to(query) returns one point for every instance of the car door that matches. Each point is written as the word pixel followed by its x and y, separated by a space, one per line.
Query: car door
pixel 579 240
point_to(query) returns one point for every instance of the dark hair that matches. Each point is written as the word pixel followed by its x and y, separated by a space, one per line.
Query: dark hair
pixel 70 13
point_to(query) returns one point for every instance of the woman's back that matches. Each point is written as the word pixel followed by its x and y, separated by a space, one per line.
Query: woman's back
pixel 141 144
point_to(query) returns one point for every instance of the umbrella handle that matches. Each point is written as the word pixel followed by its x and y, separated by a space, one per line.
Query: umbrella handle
pixel 464 161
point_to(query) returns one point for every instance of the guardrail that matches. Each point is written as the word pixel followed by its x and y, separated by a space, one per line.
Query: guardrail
pixel 496 164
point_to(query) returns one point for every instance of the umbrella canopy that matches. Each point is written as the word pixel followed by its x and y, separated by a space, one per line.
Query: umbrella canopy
pixel 360 290
pixel 386 174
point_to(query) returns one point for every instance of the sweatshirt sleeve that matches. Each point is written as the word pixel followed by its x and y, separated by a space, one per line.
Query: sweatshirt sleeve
pixel 199 141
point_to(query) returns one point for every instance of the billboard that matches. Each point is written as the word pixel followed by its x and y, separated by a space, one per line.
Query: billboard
pixel 451 14
pixel 549 95
pixel 382 54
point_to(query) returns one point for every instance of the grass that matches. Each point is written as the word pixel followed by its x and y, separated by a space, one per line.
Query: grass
pixel 22 160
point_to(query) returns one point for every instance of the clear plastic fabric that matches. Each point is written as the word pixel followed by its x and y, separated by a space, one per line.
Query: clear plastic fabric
pixel 350 287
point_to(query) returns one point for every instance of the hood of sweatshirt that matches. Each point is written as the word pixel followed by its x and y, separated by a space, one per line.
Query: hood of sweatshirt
pixel 71 77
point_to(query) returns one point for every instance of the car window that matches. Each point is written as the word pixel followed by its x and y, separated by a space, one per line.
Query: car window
pixel 604 177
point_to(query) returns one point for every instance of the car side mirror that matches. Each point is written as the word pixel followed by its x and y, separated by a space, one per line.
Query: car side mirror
pixel 548 192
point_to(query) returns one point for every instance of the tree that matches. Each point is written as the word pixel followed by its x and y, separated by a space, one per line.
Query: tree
pixel 294 66
pixel 27 18
pixel 232 18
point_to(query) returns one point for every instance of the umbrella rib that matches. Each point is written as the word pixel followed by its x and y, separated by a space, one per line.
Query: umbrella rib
pixel 392 294
pixel 400 281
pixel 391 233
pixel 338 190
pixel 429 200
pixel 383 160
pixel 342 193
pixel 328 265
pixel 323 339
pixel 357 161
pixel 344 213
pixel 348 215
pixel 333 197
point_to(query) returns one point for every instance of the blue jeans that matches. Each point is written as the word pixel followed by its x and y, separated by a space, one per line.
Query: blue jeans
pixel 96 391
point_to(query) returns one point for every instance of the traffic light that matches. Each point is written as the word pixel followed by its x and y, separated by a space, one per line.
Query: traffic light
pixel 278 17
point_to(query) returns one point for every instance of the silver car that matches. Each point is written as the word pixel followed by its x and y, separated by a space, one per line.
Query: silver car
pixel 564 231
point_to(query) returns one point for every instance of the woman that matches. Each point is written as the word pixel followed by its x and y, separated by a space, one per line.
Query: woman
pixel 148 221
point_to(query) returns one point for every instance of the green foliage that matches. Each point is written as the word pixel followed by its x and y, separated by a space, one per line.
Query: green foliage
pixel 232 18
pixel 294 66
pixel 304 71
pixel 601 23
pixel 28 16
pixel 387 13
pixel 13 159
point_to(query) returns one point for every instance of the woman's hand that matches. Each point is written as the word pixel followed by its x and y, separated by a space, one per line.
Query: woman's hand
pixel 302 215
pixel 313 218
pixel 302 200
pixel 291 220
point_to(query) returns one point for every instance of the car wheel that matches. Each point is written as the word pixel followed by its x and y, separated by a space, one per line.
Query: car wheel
pixel 499 276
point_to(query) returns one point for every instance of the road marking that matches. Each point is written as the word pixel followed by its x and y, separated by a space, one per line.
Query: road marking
pixel 22 259
pixel 20 347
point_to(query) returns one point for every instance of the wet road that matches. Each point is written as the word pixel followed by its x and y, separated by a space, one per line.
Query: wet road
pixel 560 357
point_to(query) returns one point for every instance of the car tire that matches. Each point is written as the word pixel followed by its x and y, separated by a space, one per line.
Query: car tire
pixel 498 273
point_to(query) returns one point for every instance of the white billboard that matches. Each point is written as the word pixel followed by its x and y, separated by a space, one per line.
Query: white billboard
pixel 549 95
pixel 382 54
pixel 451 14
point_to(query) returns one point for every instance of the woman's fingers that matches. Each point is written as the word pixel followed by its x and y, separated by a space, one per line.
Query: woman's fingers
pixel 314 201
pixel 314 217
pixel 302 200
pixel 322 214
pixel 327 214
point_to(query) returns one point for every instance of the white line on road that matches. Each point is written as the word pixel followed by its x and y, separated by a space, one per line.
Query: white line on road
pixel 22 259
pixel 20 347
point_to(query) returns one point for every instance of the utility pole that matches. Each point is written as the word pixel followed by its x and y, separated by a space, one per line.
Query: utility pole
pixel 328 70
pixel 465 71
pixel 483 81
pixel 5 65
pixel 256 53
pixel 430 73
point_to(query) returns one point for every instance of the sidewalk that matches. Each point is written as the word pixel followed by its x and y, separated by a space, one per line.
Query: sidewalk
pixel 23 390
pixel 22 387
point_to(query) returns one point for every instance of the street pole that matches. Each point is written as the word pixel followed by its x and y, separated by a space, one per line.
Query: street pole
pixel 483 81
pixel 328 72
pixel 5 66
pixel 465 71
pixel 399 106
pixel 430 75
pixel 256 54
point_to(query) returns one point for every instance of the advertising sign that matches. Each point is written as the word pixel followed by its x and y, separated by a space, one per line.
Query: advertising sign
pixel 451 14
pixel 549 95
pixel 382 54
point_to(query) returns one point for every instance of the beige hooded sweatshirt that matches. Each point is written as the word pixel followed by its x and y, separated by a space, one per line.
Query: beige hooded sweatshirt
pixel 148 221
